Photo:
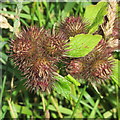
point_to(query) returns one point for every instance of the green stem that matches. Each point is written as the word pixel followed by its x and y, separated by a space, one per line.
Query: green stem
pixel 33 9
pixel 55 105
pixel 43 101
pixel 118 101
pixel 78 101
pixel 2 89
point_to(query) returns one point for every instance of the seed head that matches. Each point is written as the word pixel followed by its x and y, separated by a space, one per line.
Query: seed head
pixel 55 45
pixel 73 26
pixel 101 69
pixel 99 63
pixel 75 67
pixel 39 74
pixel 29 55
pixel 27 43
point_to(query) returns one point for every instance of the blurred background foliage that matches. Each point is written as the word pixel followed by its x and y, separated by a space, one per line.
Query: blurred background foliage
pixel 76 100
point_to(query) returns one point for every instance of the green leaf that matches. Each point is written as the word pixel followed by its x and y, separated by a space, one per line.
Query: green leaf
pixel 73 80
pixel 23 109
pixel 116 76
pixel 62 109
pixel 4 111
pixel 108 114
pixel 93 112
pixel 26 9
pixel 94 14
pixel 22 15
pixel 82 44
pixel 2 44
pixel 62 86
pixel 67 9
pixel 20 109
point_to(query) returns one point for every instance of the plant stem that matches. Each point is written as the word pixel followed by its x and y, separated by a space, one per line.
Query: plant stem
pixel 46 111
pixel 78 101
pixel 118 101
pixel 55 105
pixel 2 90
pixel 43 102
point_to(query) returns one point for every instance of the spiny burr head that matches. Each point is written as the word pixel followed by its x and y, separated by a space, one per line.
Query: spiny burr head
pixel 75 67
pixel 73 26
pixel 40 75
pixel 55 45
pixel 30 57
pixel 102 69
pixel 27 43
